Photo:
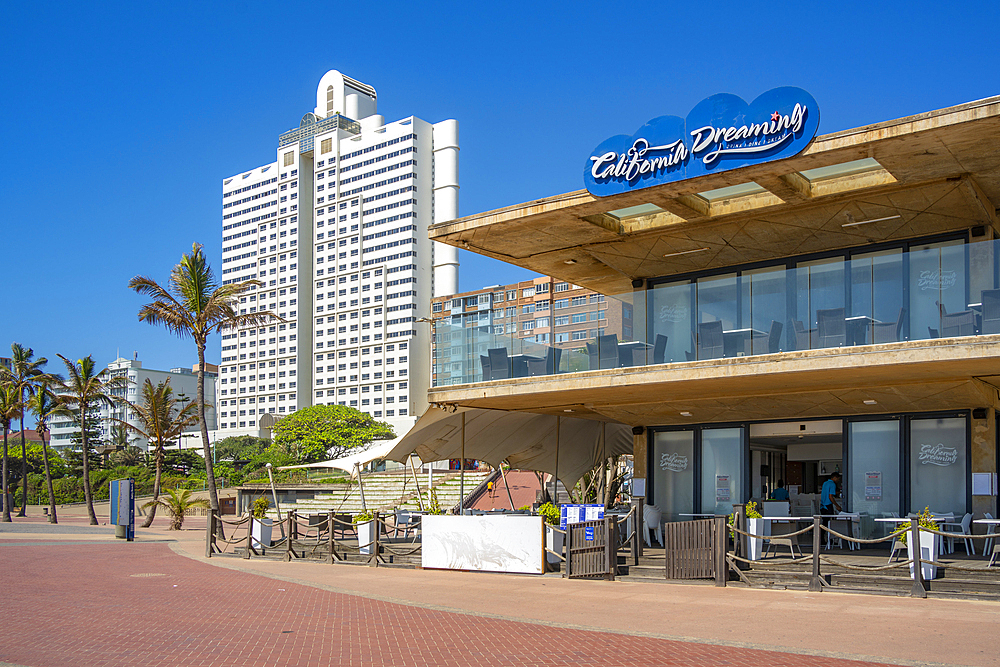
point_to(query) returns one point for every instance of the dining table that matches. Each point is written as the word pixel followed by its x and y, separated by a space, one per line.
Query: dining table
pixel 995 525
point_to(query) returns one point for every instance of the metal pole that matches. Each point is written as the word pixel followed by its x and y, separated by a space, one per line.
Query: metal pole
pixel 420 498
pixel 274 494
pixel 461 483
pixel 919 589
pixel 509 497
pixel 815 582
pixel 361 487
pixel 555 499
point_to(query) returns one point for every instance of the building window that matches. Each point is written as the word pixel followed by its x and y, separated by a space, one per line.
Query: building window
pixel 580 335
pixel 561 287
pixel 289 158
pixel 325 146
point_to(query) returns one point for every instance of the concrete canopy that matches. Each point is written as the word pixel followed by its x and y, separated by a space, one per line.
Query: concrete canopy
pixel 527 441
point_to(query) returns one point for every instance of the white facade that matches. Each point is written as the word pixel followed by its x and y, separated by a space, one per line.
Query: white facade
pixel 336 230
pixel 183 381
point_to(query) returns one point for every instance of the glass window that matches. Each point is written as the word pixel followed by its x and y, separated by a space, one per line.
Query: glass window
pixel 876 298
pixel 820 287
pixel 673 473
pixel 670 316
pixel 873 468
pixel 937 288
pixel 938 465
pixel 763 293
pixel 721 469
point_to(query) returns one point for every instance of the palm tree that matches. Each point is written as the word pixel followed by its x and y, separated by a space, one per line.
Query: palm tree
pixel 23 373
pixel 159 419
pixel 194 304
pixel 85 390
pixel 10 409
pixel 45 405
pixel 178 503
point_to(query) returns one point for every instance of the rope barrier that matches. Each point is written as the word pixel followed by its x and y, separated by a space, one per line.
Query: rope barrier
pixel 984 568
pixel 794 561
pixel 865 568
pixel 858 540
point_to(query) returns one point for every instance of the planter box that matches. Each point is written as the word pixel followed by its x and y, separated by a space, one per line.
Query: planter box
pixel 366 535
pixel 755 546
pixel 930 547
pixel 553 542
pixel 260 533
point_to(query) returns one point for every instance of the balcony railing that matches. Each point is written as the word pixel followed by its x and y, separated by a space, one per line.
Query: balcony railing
pixel 914 291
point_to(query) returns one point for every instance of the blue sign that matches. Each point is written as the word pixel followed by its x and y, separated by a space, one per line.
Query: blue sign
pixel 721 133
pixel 588 534
pixel 572 513
pixel 123 506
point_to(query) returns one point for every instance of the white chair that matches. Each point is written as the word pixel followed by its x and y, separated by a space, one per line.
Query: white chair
pixel 651 515
pixel 847 524
pixel 897 545
pixel 990 528
pixel 960 530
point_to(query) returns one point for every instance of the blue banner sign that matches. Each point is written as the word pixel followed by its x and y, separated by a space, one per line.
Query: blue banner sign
pixel 571 513
pixel 721 133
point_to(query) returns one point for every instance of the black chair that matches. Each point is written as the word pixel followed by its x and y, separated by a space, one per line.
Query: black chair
pixel 889 332
pixel 594 355
pixel 958 324
pixel 710 340
pixel 991 311
pixel 801 335
pixel 499 363
pixel 547 366
pixel 831 327
pixel 484 361
pixel 607 349
pixel 659 349
pixel 773 338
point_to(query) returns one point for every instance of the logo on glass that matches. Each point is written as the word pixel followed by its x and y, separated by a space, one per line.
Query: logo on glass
pixel 673 462
pixel 722 132
pixel 937 455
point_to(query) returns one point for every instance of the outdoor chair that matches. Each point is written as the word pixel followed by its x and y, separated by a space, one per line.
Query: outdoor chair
pixel 405 521
pixel 607 350
pixel 958 324
pixel 988 542
pixel 831 327
pixel 710 340
pixel 499 363
pixel 771 341
pixel 659 349
pixel 960 530
pixel 594 356
pixel 991 311
pixel 485 363
pixel 889 332
pixel 651 516
pixel 547 366
pixel 801 335
pixel 897 545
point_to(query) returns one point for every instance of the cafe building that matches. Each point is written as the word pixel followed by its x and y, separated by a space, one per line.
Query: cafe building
pixel 800 303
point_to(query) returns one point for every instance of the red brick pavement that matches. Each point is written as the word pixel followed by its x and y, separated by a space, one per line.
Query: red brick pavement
pixel 95 604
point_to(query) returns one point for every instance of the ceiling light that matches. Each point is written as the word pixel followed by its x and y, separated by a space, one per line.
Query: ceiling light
pixel 865 222
pixel 569 261
pixel 685 252
pixel 567 410
pixel 870 401
pixel 685 414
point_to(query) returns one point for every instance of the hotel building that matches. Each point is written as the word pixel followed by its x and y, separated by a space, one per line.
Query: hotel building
pixel 335 229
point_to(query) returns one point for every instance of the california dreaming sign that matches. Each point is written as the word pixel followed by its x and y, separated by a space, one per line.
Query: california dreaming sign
pixel 722 132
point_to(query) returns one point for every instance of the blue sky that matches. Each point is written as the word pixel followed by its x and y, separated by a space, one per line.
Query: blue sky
pixel 119 121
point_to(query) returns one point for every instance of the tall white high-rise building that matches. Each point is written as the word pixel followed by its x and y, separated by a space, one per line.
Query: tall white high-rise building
pixel 336 230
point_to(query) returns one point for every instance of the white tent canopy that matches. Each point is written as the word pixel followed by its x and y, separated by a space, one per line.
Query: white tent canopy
pixel 526 440
pixel 373 453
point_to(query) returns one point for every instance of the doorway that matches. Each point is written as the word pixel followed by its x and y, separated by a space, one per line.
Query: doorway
pixel 799 456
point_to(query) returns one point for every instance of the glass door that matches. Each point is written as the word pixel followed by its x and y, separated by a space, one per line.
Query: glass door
pixel 723 453
pixel 938 465
pixel 672 475
pixel 873 469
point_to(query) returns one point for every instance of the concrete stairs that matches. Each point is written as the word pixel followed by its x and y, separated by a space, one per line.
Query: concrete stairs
pixel 384 491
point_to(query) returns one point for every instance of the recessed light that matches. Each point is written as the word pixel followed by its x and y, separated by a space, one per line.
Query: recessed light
pixel 685 252
pixel 685 414
pixel 870 401
pixel 569 261
pixel 567 410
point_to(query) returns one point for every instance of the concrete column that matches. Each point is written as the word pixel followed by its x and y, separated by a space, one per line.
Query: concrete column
pixel 639 453
pixel 984 458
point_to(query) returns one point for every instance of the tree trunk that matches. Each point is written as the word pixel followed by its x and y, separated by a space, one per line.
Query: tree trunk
pixel 213 496
pixel 48 478
pixel 87 495
pixel 156 485
pixel 24 467
pixel 6 498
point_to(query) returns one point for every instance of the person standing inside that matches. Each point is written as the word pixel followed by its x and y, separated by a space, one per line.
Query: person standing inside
pixel 828 497
pixel 780 493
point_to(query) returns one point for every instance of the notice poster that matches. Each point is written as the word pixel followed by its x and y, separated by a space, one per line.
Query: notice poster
pixel 579 513
pixel 722 493
pixel 873 485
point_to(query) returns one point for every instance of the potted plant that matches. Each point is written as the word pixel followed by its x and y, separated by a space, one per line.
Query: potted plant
pixel 930 543
pixel 260 524
pixel 364 524
pixel 553 539
pixel 756 525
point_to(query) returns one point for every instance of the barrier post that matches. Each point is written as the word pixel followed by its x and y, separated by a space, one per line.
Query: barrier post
pixel 249 535
pixel 329 527
pixel 373 560
pixel 209 533
pixel 721 568
pixel 611 546
pixel 292 531
pixel 816 582
pixel 919 588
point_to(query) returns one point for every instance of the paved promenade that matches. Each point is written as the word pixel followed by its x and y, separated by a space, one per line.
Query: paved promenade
pixel 80 597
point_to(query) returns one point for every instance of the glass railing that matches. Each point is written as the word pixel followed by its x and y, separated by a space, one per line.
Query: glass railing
pixel 916 292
